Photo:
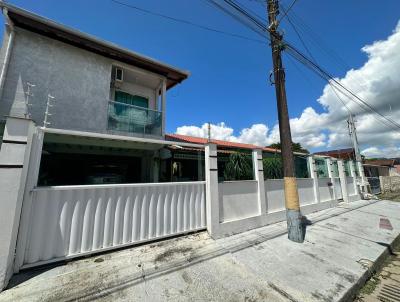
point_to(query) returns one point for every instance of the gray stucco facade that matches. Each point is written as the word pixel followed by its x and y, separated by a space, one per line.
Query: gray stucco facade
pixel 78 79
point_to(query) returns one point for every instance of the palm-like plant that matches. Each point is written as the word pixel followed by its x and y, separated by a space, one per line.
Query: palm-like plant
pixel 238 167
pixel 273 168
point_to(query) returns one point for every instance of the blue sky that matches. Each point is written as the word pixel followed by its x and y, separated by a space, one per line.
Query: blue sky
pixel 229 76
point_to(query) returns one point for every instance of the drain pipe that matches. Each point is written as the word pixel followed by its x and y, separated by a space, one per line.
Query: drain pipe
pixel 10 30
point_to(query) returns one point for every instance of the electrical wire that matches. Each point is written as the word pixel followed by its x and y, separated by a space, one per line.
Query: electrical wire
pixel 316 68
pixel 188 22
pixel 258 27
pixel 286 12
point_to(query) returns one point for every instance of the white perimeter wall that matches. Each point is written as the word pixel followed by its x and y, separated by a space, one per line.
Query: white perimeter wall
pixel 351 186
pixel 238 199
pixel 325 188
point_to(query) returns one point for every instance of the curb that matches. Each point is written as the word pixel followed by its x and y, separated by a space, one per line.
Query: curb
pixel 376 266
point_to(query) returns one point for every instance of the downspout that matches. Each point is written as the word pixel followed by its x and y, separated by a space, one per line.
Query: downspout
pixel 4 68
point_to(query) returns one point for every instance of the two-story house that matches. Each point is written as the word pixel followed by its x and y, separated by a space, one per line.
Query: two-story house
pixel 82 147
pixel 103 106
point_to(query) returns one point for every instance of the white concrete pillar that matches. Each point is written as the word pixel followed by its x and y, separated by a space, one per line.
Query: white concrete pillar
pixel 31 183
pixel 329 163
pixel 354 175
pixel 314 176
pixel 258 172
pixel 364 180
pixel 14 160
pixel 343 180
pixel 212 194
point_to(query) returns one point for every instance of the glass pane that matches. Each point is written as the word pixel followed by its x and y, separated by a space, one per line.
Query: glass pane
pixel 347 168
pixel 135 100
pixel 322 168
pixel 335 169
pixel 124 117
pixel 301 167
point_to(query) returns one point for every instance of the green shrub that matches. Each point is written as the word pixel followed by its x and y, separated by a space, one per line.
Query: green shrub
pixel 239 167
pixel 273 168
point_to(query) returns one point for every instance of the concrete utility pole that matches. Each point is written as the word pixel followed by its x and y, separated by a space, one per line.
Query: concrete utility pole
pixel 353 136
pixel 296 229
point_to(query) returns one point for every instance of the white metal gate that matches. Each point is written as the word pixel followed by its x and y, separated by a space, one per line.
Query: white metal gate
pixel 70 221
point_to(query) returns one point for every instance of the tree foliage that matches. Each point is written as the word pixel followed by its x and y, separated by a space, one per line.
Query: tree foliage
pixel 239 167
pixel 296 147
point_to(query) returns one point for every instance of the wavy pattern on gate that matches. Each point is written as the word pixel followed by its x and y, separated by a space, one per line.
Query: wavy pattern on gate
pixel 67 221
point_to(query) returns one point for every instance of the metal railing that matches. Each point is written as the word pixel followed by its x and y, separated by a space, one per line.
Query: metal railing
pixel 134 119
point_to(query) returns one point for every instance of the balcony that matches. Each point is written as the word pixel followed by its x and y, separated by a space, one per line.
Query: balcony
pixel 134 119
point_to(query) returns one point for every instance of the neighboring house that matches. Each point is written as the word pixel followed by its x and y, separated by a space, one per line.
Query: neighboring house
pixel 185 159
pixel 339 153
pixel 99 89
pixel 380 167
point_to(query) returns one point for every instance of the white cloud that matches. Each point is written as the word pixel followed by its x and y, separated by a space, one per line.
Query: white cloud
pixel 377 82
pixel 218 131
pixel 381 152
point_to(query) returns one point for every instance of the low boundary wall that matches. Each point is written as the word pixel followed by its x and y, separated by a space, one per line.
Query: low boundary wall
pixel 238 206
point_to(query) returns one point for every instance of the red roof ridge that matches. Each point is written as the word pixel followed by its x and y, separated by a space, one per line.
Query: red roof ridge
pixel 222 143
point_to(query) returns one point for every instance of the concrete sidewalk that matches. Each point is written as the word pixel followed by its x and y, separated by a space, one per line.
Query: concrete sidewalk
pixel 341 247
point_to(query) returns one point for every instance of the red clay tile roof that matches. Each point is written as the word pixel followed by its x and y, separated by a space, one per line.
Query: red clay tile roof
pixel 220 143
pixel 340 153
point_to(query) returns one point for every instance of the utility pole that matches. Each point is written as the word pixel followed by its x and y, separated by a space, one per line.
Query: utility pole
pixel 296 228
pixel 360 168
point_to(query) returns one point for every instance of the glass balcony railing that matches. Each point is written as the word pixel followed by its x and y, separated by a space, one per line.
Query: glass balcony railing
pixel 133 119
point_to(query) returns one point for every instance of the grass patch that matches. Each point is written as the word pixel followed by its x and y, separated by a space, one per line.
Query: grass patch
pixel 370 286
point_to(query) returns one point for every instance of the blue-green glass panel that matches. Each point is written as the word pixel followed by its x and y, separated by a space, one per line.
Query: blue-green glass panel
pixel 129 118
pixel 321 167
pixel 135 100
pixel 335 169
pixel 347 168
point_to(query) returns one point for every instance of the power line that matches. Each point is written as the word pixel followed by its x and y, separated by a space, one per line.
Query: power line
pixel 311 56
pixel 189 22
pixel 314 66
pixel 257 26
pixel 349 93
pixel 239 18
pixel 286 12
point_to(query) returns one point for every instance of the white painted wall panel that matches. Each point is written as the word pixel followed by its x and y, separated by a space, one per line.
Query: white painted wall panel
pixel 275 195
pixel 71 220
pixel 350 186
pixel 325 191
pixel 306 191
pixel 338 188
pixel 238 199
